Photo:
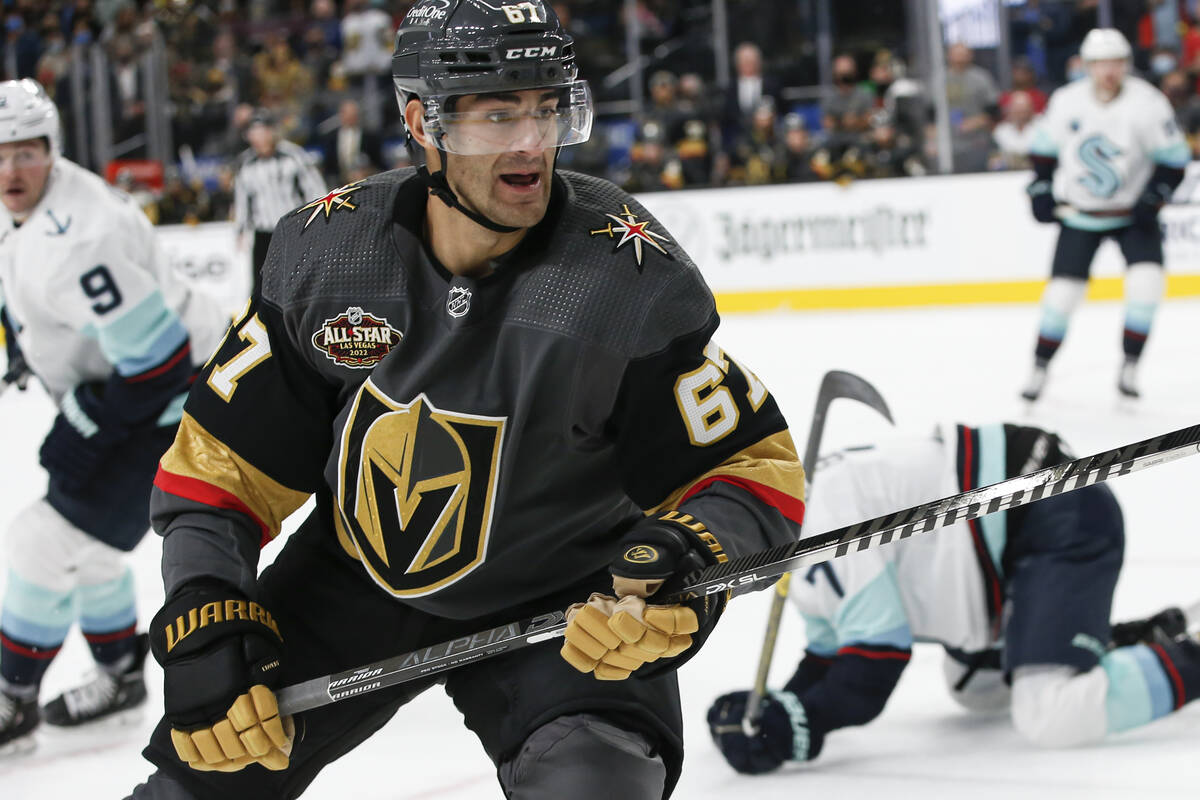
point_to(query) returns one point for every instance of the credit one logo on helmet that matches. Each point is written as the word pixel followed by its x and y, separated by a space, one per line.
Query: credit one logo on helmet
pixel 530 52
pixel 355 338
pixel 427 12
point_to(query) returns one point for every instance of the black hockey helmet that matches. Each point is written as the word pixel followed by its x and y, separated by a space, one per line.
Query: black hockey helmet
pixel 449 48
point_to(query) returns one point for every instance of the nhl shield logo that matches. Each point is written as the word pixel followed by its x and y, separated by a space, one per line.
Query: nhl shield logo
pixel 458 302
pixel 356 338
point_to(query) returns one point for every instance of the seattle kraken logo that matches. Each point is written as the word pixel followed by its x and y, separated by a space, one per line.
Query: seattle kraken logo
pixel 1096 153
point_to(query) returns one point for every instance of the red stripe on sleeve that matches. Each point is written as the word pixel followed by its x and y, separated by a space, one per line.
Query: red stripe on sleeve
pixel 41 653
pixel 875 654
pixel 180 354
pixel 1176 679
pixel 968 457
pixel 791 507
pixel 104 638
pixel 198 491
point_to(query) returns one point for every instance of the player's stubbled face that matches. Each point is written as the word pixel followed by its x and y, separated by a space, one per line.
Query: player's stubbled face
pixel 513 187
pixel 1107 75
pixel 24 168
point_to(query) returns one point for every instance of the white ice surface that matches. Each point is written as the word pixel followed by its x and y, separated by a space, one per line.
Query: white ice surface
pixel 947 364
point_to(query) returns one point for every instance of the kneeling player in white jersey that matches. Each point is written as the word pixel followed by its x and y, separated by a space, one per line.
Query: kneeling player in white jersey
pixel 1019 599
pixel 90 310
pixel 1106 156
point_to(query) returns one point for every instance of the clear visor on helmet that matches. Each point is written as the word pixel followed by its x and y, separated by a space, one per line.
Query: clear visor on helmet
pixel 506 122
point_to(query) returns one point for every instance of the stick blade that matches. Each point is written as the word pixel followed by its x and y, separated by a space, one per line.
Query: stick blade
pixel 838 383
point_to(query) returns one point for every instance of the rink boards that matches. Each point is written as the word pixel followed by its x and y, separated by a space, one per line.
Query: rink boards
pixel 870 244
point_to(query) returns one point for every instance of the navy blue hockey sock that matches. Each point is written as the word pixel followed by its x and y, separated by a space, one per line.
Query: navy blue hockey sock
pixel 22 664
pixel 114 649
pixel 1134 342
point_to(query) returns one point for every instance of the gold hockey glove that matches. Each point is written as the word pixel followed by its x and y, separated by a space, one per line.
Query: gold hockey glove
pixel 251 732
pixel 612 638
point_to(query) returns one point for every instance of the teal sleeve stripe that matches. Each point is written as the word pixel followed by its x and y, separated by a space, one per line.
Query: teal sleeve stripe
pixel 142 337
pixel 873 611
pixel 821 638
pixel 109 599
pixel 117 621
pixel 1052 326
pixel 799 719
pixel 1082 221
pixel 1138 691
pixel 1140 316
pixel 1175 155
pixel 173 412
pixel 1043 145
pixel 29 632
pixel 992 468
pixel 36 606
pixel 899 637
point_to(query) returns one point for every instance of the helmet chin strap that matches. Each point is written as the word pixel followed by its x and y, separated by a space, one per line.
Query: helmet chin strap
pixel 437 183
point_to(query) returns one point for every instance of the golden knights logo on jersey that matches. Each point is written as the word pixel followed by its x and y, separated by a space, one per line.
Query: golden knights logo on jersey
pixel 416 486
pixel 356 338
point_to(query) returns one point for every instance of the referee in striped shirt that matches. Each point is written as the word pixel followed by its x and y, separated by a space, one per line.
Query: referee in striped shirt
pixel 274 176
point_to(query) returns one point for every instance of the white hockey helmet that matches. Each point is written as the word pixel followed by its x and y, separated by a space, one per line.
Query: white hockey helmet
pixel 1103 44
pixel 27 112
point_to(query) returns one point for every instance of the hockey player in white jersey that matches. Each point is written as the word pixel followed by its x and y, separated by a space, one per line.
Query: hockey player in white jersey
pixel 1019 599
pixel 1106 156
pixel 90 310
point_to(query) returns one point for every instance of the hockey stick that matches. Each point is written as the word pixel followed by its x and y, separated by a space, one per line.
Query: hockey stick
pixel 743 573
pixel 835 384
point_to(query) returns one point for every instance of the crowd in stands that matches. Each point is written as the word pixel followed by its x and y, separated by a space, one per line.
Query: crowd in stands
pixel 320 69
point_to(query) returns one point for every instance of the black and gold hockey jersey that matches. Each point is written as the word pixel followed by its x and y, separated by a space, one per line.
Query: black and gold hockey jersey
pixel 472 439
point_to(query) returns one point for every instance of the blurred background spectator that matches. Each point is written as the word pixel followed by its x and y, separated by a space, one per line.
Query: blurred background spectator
pixel 749 87
pixel 1013 137
pixel 1024 81
pixel 349 147
pixel 974 105
pixel 845 113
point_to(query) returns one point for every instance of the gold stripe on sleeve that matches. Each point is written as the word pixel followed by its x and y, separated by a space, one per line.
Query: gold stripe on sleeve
pixel 200 456
pixel 771 462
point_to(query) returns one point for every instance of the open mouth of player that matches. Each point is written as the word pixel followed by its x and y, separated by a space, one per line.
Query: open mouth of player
pixel 522 181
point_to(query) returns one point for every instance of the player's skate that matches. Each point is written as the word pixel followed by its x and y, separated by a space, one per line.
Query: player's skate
pixel 18 718
pixel 1127 380
pixel 1037 382
pixel 115 697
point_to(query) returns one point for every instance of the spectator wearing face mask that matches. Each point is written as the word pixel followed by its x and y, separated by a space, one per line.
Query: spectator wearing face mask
pixel 1075 68
pixel 1163 61
pixel 846 113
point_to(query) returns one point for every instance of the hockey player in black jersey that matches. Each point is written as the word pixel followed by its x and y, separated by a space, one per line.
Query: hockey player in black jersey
pixel 500 384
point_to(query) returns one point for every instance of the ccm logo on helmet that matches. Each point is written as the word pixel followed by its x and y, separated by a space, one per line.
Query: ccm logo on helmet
pixel 530 52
